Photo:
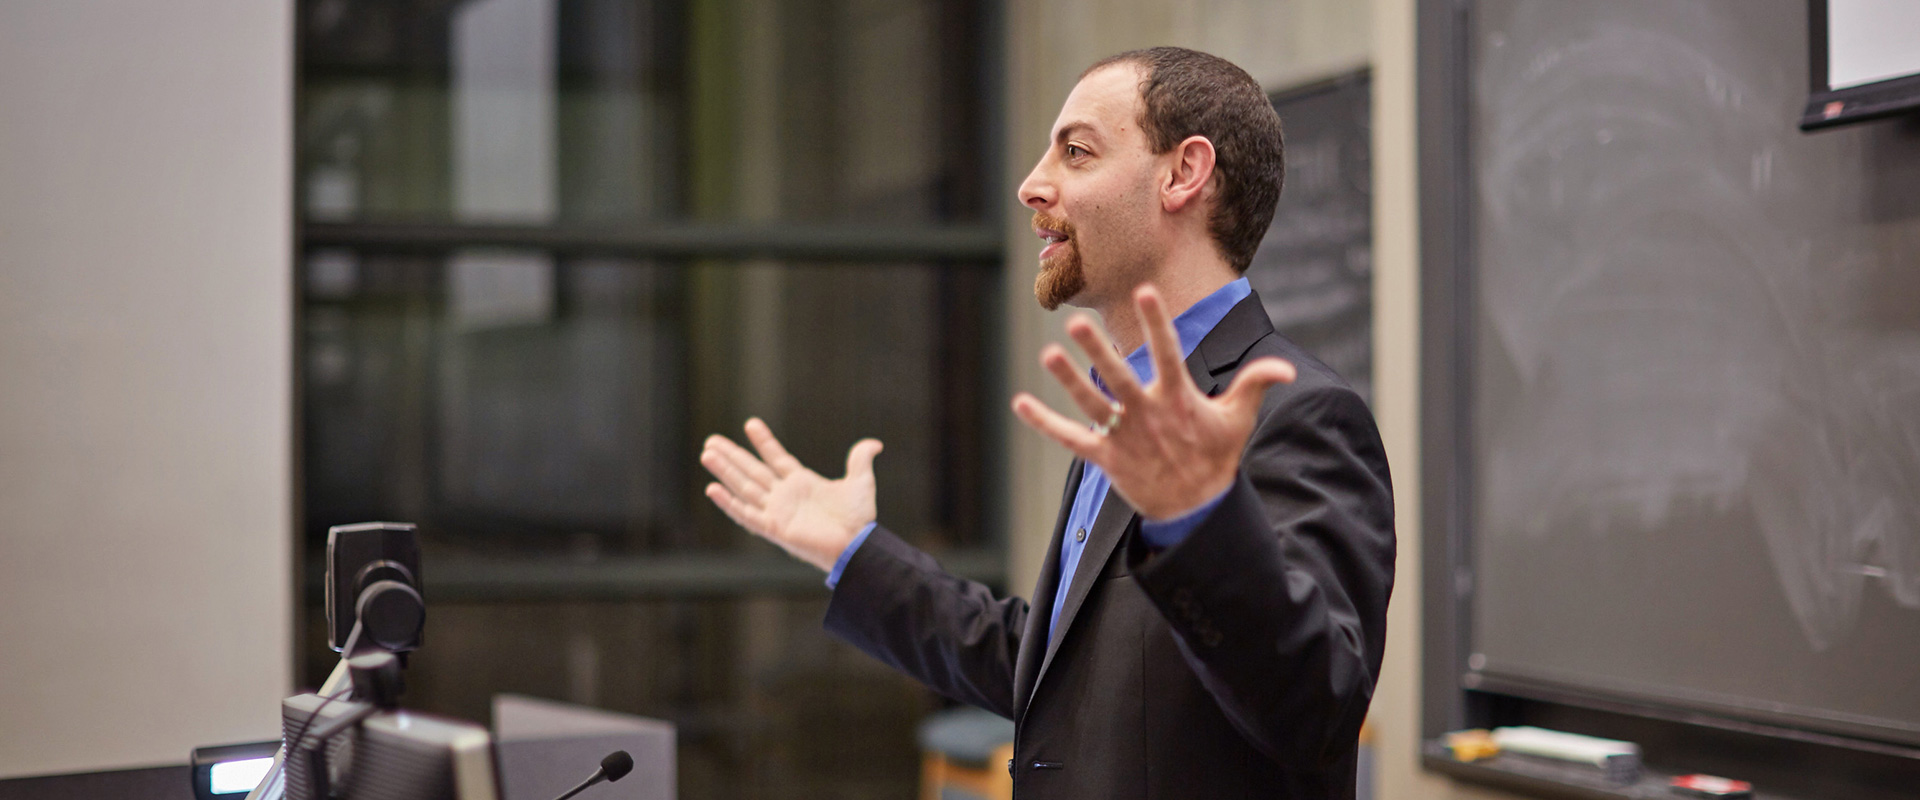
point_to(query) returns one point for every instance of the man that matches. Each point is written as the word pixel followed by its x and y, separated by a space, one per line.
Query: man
pixel 1211 615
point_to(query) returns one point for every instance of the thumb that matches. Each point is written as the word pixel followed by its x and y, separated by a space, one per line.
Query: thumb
pixel 1253 380
pixel 860 458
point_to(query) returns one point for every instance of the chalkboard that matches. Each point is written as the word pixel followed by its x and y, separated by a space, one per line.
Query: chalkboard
pixel 1692 368
pixel 1314 269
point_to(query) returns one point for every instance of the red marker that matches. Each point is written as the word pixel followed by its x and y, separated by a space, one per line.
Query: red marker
pixel 1710 786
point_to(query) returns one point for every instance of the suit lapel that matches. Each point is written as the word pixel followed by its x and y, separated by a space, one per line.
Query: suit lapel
pixel 1026 663
pixel 1219 352
pixel 1112 521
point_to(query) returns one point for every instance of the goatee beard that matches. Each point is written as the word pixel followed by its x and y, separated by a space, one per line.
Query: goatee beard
pixel 1061 276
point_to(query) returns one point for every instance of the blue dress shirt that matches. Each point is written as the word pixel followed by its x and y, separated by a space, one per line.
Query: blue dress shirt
pixel 1192 325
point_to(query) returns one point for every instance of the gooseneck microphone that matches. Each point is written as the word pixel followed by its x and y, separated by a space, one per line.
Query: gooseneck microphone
pixel 612 768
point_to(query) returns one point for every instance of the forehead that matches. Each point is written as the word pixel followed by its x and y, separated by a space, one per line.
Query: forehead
pixel 1106 103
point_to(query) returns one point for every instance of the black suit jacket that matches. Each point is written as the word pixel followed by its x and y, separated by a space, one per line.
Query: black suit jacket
pixel 1237 664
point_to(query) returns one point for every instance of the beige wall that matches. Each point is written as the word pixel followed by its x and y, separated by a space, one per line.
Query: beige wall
pixel 1395 716
pixel 145 337
pixel 1281 44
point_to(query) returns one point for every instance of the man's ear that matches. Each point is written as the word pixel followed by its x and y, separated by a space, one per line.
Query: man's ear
pixel 1191 175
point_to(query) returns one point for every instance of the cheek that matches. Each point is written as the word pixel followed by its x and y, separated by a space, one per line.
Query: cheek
pixel 1112 210
pixel 1102 205
pixel 1124 213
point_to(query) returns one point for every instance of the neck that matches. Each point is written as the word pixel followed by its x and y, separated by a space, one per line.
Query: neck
pixel 1181 285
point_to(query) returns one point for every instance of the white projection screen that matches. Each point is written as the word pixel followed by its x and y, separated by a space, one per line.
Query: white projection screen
pixel 1869 41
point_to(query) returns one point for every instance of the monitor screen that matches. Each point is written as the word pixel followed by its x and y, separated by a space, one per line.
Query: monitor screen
pixel 1865 60
pixel 238 777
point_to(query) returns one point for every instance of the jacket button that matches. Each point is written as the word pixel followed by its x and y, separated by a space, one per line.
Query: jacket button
pixel 1080 535
pixel 1009 767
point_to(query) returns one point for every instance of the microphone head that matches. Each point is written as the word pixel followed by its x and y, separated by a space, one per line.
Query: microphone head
pixel 617 764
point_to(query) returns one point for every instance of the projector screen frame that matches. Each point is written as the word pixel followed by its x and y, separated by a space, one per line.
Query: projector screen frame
pixel 1828 107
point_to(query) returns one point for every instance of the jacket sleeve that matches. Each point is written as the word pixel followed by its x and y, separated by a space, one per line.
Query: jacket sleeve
pixel 1278 598
pixel 895 603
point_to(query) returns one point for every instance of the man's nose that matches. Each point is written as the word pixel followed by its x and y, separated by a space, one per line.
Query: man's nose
pixel 1036 192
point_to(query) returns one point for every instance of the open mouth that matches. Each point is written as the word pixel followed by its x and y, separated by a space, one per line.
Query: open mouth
pixel 1054 239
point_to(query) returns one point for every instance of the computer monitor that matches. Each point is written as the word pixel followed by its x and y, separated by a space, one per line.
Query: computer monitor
pixel 229 772
pixel 389 755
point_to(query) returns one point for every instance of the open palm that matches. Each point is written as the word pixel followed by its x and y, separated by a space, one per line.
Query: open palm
pixel 1167 447
pixel 778 499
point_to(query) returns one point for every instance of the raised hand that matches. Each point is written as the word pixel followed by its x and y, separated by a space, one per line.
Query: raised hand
pixel 1167 447
pixel 777 499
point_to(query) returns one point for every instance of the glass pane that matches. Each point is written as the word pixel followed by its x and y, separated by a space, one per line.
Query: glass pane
pixel 608 112
pixel 539 417
pixel 513 401
pixel 539 414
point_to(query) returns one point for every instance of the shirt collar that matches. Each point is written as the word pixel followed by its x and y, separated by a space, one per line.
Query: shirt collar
pixel 1192 325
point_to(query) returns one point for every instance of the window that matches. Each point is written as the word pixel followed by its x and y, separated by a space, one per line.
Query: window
pixel 547 246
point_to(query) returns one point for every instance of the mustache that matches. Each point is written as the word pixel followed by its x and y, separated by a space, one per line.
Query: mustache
pixel 1042 220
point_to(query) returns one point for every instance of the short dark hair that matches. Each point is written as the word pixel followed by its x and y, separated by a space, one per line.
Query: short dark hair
pixel 1190 93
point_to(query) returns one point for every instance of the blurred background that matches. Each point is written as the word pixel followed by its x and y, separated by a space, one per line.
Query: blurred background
pixel 496 267
pixel 548 246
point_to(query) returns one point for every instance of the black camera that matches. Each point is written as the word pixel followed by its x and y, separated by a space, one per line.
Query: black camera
pixel 373 578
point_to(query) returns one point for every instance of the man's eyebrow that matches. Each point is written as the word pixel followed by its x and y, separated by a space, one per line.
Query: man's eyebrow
pixel 1070 129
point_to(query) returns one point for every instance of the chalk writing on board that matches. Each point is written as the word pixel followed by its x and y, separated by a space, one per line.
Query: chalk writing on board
pixel 1314 268
pixel 1672 328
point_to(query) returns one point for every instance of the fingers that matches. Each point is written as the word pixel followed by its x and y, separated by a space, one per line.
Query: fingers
pixel 860 457
pixel 742 460
pixel 1253 380
pixel 1163 342
pixel 776 456
pixel 1112 368
pixel 742 514
pixel 1085 395
pixel 1068 433
pixel 737 457
pixel 734 478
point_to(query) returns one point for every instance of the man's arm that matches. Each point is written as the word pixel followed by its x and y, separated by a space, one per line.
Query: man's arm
pixel 895 603
pixel 889 599
pixel 777 498
pixel 1279 595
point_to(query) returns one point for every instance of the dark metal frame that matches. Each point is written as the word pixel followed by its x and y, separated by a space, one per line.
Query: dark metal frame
pixel 1445 358
pixel 958 244
pixel 967 245
pixel 680 576
pixel 1784 755
pixel 1828 107
pixel 297 605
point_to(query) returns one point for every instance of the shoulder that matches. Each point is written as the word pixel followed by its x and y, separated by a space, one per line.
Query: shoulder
pixel 1246 334
pixel 1314 382
pixel 1313 373
pixel 1318 412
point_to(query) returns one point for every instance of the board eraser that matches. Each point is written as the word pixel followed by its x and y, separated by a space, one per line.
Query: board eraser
pixel 1619 760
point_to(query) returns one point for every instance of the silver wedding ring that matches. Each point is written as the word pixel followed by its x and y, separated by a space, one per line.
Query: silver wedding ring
pixel 1113 421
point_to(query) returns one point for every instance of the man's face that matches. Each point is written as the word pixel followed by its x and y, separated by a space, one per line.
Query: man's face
pixel 1094 195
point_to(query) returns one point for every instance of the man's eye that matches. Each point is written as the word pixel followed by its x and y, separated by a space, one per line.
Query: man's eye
pixel 1075 151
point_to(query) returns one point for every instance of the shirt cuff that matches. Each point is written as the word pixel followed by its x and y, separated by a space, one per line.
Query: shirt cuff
pixel 1169 532
pixel 840 565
